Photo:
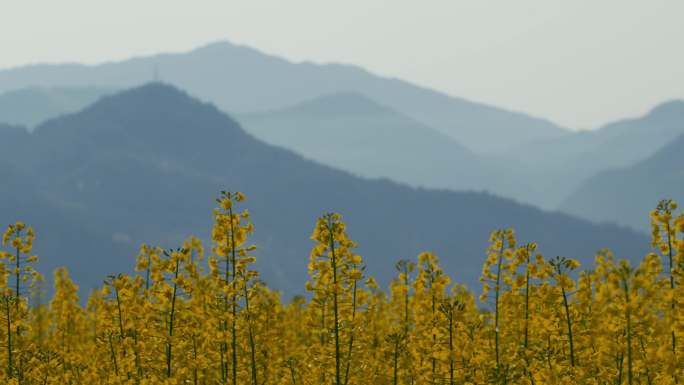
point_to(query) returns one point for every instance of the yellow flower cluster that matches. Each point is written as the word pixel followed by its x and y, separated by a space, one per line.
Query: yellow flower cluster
pixel 184 318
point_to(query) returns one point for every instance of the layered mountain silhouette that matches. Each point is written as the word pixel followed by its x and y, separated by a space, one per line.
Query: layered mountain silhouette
pixel 618 195
pixel 147 163
pixel 242 80
pixel 62 239
pixel 351 132
pixel 553 170
pixel 33 105
pixel 527 159
pixel 14 139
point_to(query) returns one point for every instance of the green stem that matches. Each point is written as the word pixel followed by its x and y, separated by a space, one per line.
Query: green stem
pixel 451 349
pixel 194 357
pixel 351 335
pixel 113 354
pixel 672 281
pixel 396 359
pixel 336 327
pixel 250 332
pixel 234 299
pixel 569 322
pixel 169 344
pixel 496 307
pixel 628 316
pixel 17 273
pixel 10 364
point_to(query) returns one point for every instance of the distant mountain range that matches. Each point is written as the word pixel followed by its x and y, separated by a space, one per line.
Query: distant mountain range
pixel 353 133
pixel 242 80
pixel 557 168
pixel 33 105
pixel 145 165
pixel 349 119
pixel 616 144
pixel 619 195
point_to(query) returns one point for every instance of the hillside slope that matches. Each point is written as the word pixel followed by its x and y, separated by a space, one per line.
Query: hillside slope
pixel 146 164
pixel 31 106
pixel 240 80
pixel 554 169
pixel 623 195
pixel 351 132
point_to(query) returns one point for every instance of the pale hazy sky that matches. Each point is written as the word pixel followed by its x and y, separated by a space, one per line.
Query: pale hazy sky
pixel 580 63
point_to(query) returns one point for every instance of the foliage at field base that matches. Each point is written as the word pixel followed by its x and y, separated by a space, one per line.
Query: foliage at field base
pixel 196 316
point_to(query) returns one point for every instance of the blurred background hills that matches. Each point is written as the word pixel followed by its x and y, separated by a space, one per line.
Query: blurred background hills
pixel 100 158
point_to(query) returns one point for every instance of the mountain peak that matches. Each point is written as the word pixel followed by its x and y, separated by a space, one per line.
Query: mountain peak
pixel 244 80
pixel 219 46
pixel 157 88
pixel 153 109
pixel 667 108
pixel 147 162
pixel 153 97
pixel 226 50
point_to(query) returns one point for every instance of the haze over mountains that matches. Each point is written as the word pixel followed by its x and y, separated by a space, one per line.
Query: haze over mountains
pixel 33 105
pixel 347 118
pixel 145 165
pixel 353 133
pixel 619 195
pixel 560 166
pixel 241 80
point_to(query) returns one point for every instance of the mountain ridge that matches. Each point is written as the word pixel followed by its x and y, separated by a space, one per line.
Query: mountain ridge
pixel 351 132
pixel 565 163
pixel 618 195
pixel 129 189
pixel 32 105
pixel 266 82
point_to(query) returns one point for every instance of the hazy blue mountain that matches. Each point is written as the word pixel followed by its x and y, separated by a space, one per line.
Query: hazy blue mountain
pixel 242 80
pixel 146 164
pixel 353 133
pixel 33 105
pixel 14 145
pixel 619 195
pixel 616 144
pixel 554 169
pixel 62 240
